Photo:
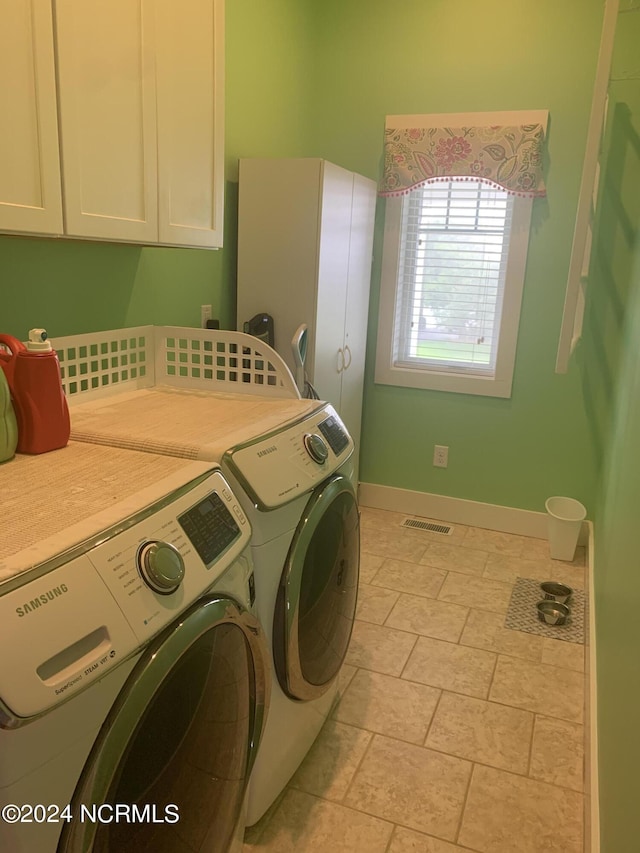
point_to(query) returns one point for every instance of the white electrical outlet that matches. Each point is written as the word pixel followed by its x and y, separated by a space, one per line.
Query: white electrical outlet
pixel 205 314
pixel 440 456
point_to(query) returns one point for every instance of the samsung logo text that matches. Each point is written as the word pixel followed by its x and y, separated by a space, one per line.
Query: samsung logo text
pixel 267 450
pixel 41 600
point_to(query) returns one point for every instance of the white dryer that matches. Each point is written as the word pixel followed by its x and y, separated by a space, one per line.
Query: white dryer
pixel 289 462
pixel 134 678
pixel 296 488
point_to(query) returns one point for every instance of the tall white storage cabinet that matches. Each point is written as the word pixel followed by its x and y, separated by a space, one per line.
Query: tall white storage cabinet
pixel 305 239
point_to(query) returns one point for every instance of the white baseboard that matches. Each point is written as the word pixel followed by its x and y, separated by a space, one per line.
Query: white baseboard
pixel 592 789
pixel 522 522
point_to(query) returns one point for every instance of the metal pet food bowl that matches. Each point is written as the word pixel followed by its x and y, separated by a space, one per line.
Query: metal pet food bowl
pixel 552 612
pixel 558 592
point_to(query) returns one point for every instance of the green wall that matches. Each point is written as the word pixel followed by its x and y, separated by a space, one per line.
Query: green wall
pixel 72 286
pixel 316 79
pixel 445 56
pixel 610 364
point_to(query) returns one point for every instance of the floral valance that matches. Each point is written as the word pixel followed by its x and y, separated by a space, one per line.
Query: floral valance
pixel 423 149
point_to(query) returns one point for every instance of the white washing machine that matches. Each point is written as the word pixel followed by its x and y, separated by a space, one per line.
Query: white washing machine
pixel 296 488
pixel 134 678
pixel 288 460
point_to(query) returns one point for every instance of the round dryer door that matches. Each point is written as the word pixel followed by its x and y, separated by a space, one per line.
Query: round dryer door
pixel 170 766
pixel 316 602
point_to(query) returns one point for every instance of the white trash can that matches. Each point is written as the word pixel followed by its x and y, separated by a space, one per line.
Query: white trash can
pixel 565 520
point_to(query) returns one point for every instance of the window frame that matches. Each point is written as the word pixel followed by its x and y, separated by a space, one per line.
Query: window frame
pixel 443 379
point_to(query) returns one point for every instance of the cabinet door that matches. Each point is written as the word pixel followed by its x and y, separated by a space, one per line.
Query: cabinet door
pixel 108 118
pixel 278 238
pixel 190 87
pixel 327 340
pixel 30 198
pixel 357 307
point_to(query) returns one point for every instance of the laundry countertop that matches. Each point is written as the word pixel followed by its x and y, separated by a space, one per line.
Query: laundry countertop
pixel 187 423
pixel 52 501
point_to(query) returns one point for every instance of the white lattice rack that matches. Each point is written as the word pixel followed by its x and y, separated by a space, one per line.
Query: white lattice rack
pixel 101 363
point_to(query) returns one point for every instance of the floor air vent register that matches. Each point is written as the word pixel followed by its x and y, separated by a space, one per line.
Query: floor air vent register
pixel 419 524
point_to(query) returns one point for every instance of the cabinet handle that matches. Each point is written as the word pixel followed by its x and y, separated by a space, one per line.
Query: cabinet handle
pixel 347 349
pixel 340 364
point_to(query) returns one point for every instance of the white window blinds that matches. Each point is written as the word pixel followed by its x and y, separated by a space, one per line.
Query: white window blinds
pixel 452 264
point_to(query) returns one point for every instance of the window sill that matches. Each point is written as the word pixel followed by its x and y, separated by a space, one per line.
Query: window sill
pixel 431 380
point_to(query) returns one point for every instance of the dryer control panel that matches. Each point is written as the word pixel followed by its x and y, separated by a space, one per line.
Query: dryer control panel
pixel 284 465
pixel 116 591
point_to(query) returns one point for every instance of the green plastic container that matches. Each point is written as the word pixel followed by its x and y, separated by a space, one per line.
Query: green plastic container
pixel 8 425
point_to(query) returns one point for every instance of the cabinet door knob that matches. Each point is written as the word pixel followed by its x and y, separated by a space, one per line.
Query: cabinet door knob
pixel 347 349
pixel 340 365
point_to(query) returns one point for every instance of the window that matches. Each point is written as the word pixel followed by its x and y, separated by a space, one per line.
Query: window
pixel 452 272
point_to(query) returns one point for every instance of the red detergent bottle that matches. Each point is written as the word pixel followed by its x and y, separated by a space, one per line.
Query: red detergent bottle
pixel 33 374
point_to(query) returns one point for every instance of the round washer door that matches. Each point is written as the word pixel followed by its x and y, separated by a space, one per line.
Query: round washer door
pixel 316 602
pixel 169 768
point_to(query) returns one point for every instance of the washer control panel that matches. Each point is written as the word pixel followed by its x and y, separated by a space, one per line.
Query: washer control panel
pixel 162 564
pixel 72 624
pixel 278 468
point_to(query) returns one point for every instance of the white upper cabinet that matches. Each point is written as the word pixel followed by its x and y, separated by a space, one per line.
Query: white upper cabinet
pixel 107 105
pixel 30 197
pixel 140 102
pixel 190 95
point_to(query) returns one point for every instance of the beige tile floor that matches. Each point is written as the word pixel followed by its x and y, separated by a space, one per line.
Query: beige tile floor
pixel 451 733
